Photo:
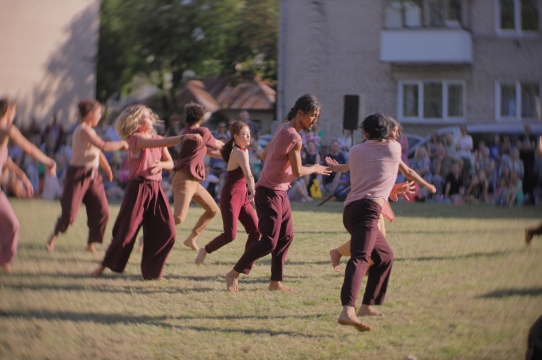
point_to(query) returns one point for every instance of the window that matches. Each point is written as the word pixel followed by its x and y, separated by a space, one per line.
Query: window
pixel 424 13
pixel 517 16
pixel 518 100
pixel 433 100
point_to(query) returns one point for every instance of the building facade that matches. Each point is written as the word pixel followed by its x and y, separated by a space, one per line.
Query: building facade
pixel 48 56
pixel 428 63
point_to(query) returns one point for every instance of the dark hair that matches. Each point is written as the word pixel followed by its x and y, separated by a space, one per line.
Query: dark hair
pixel 235 129
pixel 86 106
pixel 5 104
pixel 306 103
pixel 194 113
pixel 378 126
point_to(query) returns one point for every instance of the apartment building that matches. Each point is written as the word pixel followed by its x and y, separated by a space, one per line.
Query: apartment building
pixel 428 63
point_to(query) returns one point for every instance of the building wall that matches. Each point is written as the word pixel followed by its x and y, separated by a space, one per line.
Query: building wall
pixel 49 50
pixel 332 49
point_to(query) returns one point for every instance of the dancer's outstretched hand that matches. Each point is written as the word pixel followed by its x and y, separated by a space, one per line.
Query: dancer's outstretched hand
pixel 322 170
pixel 196 137
pixel 402 189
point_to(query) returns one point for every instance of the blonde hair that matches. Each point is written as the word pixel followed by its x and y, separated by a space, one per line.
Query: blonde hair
pixel 129 119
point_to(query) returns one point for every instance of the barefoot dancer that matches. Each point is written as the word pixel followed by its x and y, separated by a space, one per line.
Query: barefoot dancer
pixel 190 170
pixel 282 162
pixel 9 225
pixel 144 204
pixel 83 181
pixel 530 233
pixel 375 163
pixel 234 200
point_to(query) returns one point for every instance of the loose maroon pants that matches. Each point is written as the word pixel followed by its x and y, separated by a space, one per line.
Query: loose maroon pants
pixel 277 233
pixel 144 205
pixel 84 186
pixel 361 218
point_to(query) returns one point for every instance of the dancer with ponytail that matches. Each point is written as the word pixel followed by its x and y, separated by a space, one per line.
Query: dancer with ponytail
pixel 144 204
pixel 282 162
pixel 235 200
pixel 84 183
pixel 9 225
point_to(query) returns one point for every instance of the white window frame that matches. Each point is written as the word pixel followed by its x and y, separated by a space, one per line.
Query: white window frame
pixel 517 117
pixel 420 118
pixel 517 31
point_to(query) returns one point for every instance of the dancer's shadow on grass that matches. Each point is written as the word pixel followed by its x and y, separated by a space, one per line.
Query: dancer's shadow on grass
pixel 164 321
pixel 502 293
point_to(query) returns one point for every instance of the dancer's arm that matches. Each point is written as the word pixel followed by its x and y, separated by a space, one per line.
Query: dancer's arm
pixel 334 166
pixel 148 142
pixel 413 175
pixel 105 146
pixel 104 164
pixel 264 154
pixel 299 170
pixel 402 189
pixel 31 149
pixel 214 151
pixel 165 162
pixel 242 158
pixel 21 175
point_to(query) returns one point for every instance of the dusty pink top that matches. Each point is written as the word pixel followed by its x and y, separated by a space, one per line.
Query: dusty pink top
pixel 277 171
pixel 373 170
pixel 139 163
pixel 191 154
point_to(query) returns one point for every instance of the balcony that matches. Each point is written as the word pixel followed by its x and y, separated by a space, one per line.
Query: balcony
pixel 427 46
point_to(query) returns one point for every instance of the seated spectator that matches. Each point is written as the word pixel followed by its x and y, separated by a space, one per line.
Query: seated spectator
pixel 432 145
pixel 422 165
pixel 310 156
pixel 501 192
pixel 515 163
pixel 441 167
pixel 55 132
pixel 218 168
pixel 505 148
pixel 312 135
pixel 486 164
pixel 210 183
pixel 515 189
pixel 454 184
pixel 495 149
pixel 255 152
pixel 222 131
pixel 331 182
pixel 463 148
pixel 477 190
pixel 298 191
pixel 345 143
pixel 449 146
pixel 504 172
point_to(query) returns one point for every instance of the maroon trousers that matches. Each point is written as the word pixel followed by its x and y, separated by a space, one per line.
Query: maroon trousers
pixel 235 208
pixel 84 186
pixel 360 218
pixel 144 205
pixel 537 230
pixel 277 233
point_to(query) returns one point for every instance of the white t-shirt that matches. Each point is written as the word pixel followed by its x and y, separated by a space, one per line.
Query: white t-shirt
pixel 465 146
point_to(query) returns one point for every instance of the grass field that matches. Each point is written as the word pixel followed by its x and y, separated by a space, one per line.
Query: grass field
pixel 463 286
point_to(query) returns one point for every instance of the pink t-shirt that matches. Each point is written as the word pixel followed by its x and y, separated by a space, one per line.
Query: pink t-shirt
pixel 140 163
pixel 373 170
pixel 277 171
pixel 191 154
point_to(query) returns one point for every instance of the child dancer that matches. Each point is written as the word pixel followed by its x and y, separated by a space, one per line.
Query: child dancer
pixel 144 204
pixel 83 182
pixel 234 200
pixel 9 225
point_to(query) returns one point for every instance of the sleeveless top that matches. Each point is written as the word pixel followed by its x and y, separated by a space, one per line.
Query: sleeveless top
pixel 235 186
pixel 84 154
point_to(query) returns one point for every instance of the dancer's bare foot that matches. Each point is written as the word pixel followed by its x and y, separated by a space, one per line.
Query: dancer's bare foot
pixel 155 278
pixel 277 286
pixel 348 317
pixel 191 242
pixel 6 268
pixel 202 253
pixel 335 259
pixel 232 282
pixel 90 248
pixel 529 238
pixel 50 244
pixel 140 248
pixel 368 310
pixel 97 272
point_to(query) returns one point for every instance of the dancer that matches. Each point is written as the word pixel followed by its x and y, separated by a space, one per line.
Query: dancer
pixel 83 182
pixel 234 200
pixel 190 170
pixel 282 162
pixel 344 249
pixel 531 232
pixel 144 204
pixel 376 162
pixel 9 225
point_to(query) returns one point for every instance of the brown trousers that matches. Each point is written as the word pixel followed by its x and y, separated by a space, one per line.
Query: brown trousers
pixel 186 189
pixel 84 186
pixel 361 219
pixel 9 230
pixel 144 205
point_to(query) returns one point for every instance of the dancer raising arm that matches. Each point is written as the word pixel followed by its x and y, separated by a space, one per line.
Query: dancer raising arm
pixel 282 162
pixel 83 182
pixel 9 225
pixel 234 200
pixel 144 204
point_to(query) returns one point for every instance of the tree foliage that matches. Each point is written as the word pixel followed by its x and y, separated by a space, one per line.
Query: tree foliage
pixel 162 41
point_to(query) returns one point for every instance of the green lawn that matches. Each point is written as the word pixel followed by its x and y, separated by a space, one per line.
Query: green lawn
pixel 463 286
